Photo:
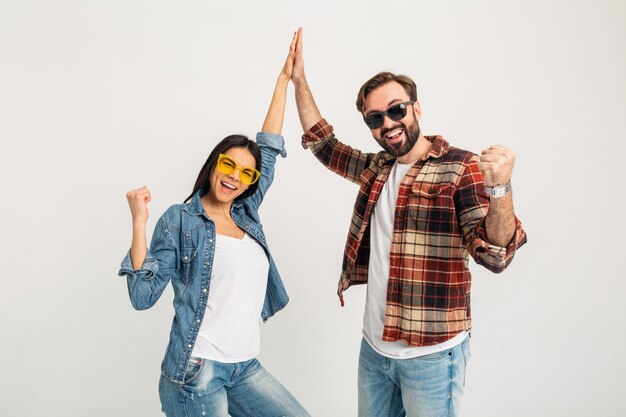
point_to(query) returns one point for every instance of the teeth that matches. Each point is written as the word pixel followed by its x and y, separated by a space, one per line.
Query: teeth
pixel 227 185
pixel 394 134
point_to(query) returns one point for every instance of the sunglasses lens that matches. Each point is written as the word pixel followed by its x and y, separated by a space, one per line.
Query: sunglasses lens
pixel 226 165
pixel 374 120
pixel 396 112
pixel 248 176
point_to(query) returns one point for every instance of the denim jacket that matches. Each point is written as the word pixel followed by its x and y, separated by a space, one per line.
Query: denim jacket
pixel 182 251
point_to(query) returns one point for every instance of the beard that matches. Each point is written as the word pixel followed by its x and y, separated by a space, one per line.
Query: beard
pixel 412 134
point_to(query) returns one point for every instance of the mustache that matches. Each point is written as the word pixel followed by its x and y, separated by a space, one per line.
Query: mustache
pixel 384 131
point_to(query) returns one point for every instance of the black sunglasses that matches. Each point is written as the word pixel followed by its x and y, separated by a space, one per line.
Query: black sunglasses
pixel 375 119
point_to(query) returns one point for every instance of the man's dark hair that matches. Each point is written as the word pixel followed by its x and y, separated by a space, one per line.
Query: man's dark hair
pixel 383 78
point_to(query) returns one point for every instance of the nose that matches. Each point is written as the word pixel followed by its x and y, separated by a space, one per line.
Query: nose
pixel 235 174
pixel 387 122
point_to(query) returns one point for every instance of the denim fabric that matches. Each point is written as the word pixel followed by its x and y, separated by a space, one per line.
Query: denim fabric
pixel 216 389
pixel 182 250
pixel 426 386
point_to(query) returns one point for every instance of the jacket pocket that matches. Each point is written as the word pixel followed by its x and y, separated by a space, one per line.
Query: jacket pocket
pixel 430 208
pixel 430 191
pixel 187 258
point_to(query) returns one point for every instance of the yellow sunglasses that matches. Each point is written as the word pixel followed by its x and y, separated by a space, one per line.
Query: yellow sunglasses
pixel 227 165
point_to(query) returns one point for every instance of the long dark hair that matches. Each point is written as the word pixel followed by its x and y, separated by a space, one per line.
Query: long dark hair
pixel 233 141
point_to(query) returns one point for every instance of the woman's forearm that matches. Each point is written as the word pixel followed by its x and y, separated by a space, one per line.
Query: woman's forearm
pixel 276 113
pixel 138 249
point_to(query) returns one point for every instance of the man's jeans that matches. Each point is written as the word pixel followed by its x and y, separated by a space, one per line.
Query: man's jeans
pixel 426 386
pixel 216 389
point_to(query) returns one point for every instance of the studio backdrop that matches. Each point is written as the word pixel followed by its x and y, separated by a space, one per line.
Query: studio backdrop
pixel 98 98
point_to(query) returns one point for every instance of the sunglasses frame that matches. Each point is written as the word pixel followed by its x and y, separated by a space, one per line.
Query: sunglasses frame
pixel 402 105
pixel 237 167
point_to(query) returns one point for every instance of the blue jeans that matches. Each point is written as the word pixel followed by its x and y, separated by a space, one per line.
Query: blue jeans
pixel 216 389
pixel 426 386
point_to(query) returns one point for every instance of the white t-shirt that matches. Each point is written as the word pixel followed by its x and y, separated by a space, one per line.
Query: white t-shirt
pixel 230 328
pixel 381 232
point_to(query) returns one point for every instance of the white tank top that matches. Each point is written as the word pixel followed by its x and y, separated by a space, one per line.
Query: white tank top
pixel 230 328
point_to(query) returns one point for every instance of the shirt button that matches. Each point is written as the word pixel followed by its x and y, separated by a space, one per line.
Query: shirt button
pixel 189 346
pixel 210 240
pixel 186 257
pixel 204 290
pixel 197 320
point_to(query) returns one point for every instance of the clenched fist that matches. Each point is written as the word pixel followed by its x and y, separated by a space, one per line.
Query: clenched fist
pixel 496 165
pixel 138 202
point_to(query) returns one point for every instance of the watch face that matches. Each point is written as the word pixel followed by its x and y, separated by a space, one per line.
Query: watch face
pixel 498 190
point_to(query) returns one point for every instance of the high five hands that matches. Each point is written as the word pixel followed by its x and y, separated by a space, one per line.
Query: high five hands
pixel 287 70
pixel 298 63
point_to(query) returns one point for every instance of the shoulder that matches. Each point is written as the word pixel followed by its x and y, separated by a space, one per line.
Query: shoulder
pixel 246 207
pixel 382 157
pixel 450 166
pixel 461 156
pixel 171 218
pixel 442 153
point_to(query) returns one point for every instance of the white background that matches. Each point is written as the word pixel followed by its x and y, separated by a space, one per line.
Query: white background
pixel 97 98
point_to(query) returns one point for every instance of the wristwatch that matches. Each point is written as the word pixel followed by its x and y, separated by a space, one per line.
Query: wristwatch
pixel 498 190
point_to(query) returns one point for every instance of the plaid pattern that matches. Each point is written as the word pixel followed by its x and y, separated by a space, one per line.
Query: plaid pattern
pixel 439 222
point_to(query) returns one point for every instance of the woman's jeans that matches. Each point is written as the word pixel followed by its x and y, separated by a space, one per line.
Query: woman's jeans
pixel 426 386
pixel 216 389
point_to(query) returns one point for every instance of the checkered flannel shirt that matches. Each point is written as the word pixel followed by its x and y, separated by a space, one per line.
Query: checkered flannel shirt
pixel 439 221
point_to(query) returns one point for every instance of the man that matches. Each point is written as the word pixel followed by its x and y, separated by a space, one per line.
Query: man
pixel 422 209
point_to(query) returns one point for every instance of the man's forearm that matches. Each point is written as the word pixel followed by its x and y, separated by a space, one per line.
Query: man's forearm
pixel 307 109
pixel 500 221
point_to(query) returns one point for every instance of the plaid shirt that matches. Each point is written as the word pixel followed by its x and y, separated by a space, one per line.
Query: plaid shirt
pixel 439 221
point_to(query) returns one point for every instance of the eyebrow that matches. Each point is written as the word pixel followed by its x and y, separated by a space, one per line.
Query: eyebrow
pixel 240 165
pixel 388 105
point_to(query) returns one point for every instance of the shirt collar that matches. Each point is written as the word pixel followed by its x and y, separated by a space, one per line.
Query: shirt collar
pixel 439 148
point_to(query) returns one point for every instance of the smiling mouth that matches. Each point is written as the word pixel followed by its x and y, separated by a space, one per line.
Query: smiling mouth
pixel 228 186
pixel 394 134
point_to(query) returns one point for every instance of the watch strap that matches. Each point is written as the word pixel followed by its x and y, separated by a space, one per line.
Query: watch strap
pixel 498 191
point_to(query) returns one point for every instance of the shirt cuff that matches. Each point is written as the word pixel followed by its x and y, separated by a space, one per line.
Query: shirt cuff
pixel 481 243
pixel 272 140
pixel 321 130
pixel 147 270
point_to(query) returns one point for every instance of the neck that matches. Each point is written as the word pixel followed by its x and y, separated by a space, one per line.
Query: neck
pixel 419 151
pixel 214 207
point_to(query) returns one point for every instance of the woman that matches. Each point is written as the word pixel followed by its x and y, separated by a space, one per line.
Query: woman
pixel 214 252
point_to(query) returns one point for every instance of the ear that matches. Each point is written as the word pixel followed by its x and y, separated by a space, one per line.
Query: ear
pixel 417 110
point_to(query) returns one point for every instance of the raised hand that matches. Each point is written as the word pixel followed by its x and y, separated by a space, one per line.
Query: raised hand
pixel 288 67
pixel 308 112
pixel 298 64
pixel 496 165
pixel 273 122
pixel 138 203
